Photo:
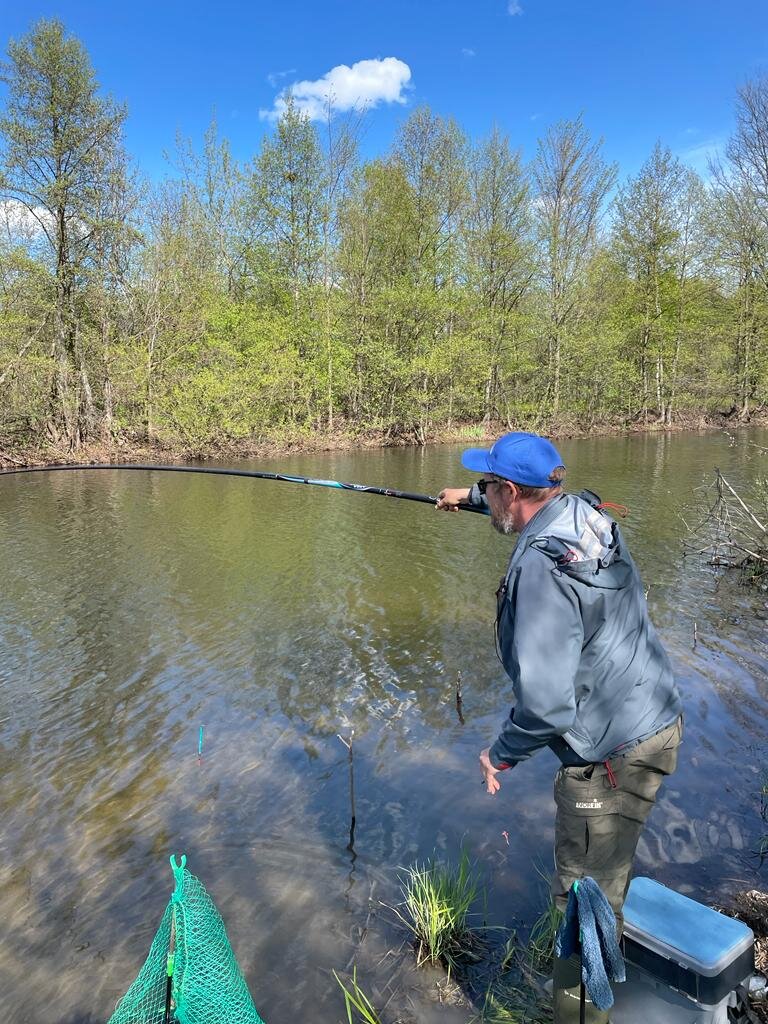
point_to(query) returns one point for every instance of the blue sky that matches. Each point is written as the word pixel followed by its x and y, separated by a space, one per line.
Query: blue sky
pixel 639 70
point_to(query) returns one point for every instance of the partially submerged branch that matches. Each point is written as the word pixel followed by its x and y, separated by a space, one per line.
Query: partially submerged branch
pixel 732 532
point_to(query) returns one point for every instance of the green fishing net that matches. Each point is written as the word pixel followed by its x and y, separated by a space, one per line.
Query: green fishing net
pixel 190 946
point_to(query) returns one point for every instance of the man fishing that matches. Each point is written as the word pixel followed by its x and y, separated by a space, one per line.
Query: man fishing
pixel 590 677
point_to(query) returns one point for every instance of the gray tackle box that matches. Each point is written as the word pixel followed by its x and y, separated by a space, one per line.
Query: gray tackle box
pixel 672 944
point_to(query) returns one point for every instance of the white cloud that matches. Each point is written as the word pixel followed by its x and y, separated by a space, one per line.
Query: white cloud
pixel 366 84
pixel 699 156
pixel 513 7
pixel 467 52
pixel 18 221
pixel 277 76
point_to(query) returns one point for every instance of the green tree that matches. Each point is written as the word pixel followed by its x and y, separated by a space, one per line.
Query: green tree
pixel 376 261
pixel 657 241
pixel 571 184
pixel 61 151
pixel 739 250
pixel 739 228
pixel 214 186
pixel 24 365
pixel 165 299
pixel 500 267
pixel 287 196
pixel 431 153
pixel 340 140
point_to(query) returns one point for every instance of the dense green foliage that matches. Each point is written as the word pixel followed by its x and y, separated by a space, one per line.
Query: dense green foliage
pixel 307 292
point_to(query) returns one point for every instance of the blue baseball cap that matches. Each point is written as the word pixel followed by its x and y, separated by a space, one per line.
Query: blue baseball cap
pixel 524 458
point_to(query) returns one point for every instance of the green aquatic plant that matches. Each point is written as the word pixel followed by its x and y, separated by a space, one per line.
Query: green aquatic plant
pixel 356 1000
pixel 438 899
pixel 541 944
pixel 509 953
pixel 513 1004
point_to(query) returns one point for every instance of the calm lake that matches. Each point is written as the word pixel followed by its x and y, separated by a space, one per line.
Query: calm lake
pixel 135 608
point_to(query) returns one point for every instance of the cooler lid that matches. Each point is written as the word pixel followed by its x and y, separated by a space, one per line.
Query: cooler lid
pixel 681 929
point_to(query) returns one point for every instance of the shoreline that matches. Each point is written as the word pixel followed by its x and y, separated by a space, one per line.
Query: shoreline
pixel 132 449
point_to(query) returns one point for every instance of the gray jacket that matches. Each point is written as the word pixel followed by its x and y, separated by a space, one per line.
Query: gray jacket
pixel 588 670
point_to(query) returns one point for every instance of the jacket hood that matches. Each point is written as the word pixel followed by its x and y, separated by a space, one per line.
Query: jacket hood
pixel 584 542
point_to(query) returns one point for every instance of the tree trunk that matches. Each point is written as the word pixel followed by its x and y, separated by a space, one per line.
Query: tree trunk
pixel 149 394
pixel 65 403
pixel 747 329
pixel 644 347
pixel 86 408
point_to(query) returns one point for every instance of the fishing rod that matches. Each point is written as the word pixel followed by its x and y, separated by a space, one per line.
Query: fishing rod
pixel 387 492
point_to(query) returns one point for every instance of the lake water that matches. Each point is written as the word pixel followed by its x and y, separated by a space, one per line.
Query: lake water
pixel 135 608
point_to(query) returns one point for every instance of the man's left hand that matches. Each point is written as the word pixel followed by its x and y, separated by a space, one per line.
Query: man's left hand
pixel 489 772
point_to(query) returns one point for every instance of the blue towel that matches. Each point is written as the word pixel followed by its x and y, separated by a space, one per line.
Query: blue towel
pixel 590 913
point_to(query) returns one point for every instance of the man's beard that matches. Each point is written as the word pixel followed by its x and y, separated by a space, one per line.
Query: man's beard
pixel 503 523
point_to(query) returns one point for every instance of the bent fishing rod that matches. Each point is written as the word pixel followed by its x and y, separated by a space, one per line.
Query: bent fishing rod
pixel 387 492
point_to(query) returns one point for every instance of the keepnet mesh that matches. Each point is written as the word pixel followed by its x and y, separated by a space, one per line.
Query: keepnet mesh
pixel 206 986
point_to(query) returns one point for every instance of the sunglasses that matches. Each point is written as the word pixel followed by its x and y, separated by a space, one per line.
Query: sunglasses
pixel 483 485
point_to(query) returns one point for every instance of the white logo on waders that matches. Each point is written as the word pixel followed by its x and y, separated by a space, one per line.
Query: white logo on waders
pixel 591 805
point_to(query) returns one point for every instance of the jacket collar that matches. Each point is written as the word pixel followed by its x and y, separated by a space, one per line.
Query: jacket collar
pixel 538 522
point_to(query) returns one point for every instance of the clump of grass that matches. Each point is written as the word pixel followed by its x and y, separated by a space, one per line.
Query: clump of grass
pixel 541 944
pixel 438 899
pixel 356 1000
pixel 513 1004
pixel 473 431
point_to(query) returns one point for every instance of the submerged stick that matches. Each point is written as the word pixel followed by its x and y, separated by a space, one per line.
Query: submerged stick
pixel 747 510
pixel 459 701
pixel 353 816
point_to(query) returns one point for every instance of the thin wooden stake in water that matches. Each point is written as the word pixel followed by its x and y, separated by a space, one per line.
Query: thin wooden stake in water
pixel 353 818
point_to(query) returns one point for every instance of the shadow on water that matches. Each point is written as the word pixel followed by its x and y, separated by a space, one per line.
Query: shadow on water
pixel 135 610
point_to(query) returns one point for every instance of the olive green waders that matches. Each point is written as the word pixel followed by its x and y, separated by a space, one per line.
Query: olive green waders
pixel 601 810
